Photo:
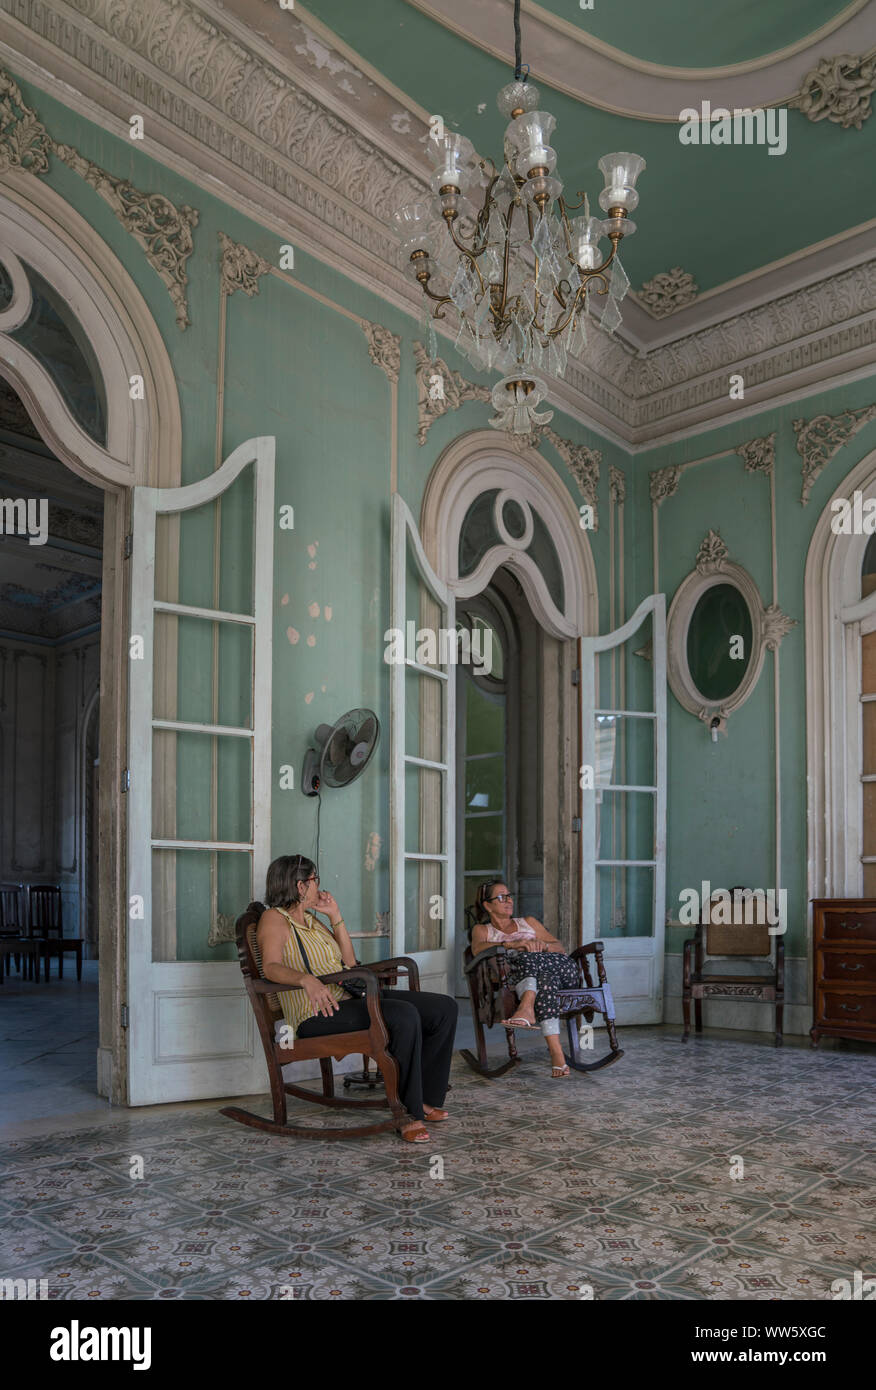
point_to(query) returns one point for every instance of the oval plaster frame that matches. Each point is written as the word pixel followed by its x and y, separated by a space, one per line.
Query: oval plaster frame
pixel 687 596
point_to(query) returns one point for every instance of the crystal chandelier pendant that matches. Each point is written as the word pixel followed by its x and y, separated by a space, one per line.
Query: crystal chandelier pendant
pixel 499 245
pixel 515 399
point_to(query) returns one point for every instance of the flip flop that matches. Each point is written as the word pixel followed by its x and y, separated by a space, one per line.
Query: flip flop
pixel 515 1021
pixel 558 1072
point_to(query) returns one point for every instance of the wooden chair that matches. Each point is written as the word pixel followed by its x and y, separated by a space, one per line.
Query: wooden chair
pixel 493 999
pixel 751 942
pixel 370 1042
pixel 45 926
pixel 13 941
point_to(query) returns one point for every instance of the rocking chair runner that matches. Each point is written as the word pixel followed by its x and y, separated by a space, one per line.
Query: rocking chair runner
pixel 493 999
pixel 371 1042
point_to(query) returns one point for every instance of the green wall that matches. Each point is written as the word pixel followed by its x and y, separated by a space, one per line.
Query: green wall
pixel 300 370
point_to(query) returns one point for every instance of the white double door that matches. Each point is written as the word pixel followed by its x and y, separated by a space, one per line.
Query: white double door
pixel 622 840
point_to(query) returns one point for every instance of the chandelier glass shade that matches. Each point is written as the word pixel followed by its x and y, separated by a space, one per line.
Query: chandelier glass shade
pixel 500 246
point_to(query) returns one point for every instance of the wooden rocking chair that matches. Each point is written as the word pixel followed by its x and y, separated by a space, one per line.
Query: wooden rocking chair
pixel 493 999
pixel 371 1042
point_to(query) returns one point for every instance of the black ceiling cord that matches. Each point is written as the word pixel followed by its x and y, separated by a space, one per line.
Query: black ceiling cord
pixel 518 57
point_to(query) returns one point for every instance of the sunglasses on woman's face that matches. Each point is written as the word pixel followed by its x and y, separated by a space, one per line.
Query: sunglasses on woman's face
pixel 503 898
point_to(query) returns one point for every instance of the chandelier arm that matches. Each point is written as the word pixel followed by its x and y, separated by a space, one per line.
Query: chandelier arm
pixel 573 309
pixel 506 260
pixel 439 298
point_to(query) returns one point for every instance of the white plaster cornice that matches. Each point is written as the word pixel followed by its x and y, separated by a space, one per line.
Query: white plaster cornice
pixel 571 60
pixel 320 152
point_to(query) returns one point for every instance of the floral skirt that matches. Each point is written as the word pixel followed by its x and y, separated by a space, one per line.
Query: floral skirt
pixel 551 971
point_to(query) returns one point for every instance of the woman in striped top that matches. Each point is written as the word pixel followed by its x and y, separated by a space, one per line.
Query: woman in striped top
pixel 421 1026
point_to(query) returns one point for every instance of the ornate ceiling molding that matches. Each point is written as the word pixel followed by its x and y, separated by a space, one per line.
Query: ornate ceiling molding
pixel 668 292
pixel 839 90
pixel 822 437
pixel 24 143
pixel 594 72
pixel 272 128
pixel 440 389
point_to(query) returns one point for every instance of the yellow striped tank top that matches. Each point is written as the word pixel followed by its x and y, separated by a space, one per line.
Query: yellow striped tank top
pixel 324 956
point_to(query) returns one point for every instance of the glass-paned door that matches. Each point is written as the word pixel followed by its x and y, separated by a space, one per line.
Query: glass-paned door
pixel 422 785
pixel 199 797
pixel 623 806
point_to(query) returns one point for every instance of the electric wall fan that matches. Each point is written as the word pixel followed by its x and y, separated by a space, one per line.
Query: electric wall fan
pixel 342 751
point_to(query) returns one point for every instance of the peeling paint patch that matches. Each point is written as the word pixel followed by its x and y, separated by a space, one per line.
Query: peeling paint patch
pixel 311 550
pixel 482 106
pixel 311 640
pixel 308 697
pixel 323 688
pixel 293 634
pixel 372 852
pixel 372 606
pixel 312 565
pixel 313 610
pixel 284 600
pixel 321 57
pixel 327 612
pixel 401 122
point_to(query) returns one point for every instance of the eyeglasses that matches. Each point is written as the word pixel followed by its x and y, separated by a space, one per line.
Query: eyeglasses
pixel 502 898
pixel 314 878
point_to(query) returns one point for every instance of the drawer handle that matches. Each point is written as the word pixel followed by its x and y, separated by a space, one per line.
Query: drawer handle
pixel 844 966
pixel 851 926
pixel 852 1008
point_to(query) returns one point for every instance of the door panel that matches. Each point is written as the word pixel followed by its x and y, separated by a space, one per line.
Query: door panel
pixel 623 780
pixel 200 782
pixel 422 786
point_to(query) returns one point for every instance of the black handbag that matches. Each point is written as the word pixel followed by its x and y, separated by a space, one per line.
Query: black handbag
pixel 353 987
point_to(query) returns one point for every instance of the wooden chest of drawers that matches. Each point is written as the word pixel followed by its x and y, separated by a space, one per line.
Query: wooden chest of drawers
pixel 844 965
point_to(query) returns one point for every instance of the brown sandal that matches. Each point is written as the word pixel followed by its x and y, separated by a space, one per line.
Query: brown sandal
pixel 435 1114
pixel 416 1134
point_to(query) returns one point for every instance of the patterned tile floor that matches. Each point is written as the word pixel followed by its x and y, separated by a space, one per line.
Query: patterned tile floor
pixel 620 1183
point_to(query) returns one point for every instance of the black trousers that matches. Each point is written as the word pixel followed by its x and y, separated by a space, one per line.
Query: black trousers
pixel 422 1030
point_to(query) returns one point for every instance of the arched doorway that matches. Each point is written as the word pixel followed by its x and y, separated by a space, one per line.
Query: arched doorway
pixel 55 271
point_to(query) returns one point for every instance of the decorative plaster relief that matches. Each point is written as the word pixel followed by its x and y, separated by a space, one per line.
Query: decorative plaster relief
pixel 24 143
pixel 163 230
pixel 712 554
pixel 617 485
pixel 758 455
pixel 584 465
pixel 447 392
pixel 240 268
pixel 668 292
pixel 384 349
pixel 838 89
pixel 823 436
pixel 664 483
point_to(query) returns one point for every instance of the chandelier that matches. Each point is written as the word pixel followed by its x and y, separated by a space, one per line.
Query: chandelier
pixel 517 268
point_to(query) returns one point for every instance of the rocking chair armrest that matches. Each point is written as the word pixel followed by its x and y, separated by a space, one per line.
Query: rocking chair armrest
pixel 491 953
pixel 362 972
pixel 380 967
pixel 595 946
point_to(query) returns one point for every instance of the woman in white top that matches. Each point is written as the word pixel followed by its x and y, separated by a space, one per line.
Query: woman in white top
pixel 537 964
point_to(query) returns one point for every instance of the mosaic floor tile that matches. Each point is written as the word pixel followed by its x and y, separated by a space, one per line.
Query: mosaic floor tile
pixel 618 1247
pixel 229 1187
pixel 502 1214
pixel 414 1253
pixel 184 1255
pixel 728 1272
pixel 527 1276
pixel 760 1179
pixel 407 1192
pixel 811 1237
pixel 308 1216
pixel 27 1243
pixel 164 1160
pixel 93 1223
pixel 306 1276
pixel 649 1160
pixel 840 1198
pixel 674 1207
pixel 30 1189
pixel 93 1278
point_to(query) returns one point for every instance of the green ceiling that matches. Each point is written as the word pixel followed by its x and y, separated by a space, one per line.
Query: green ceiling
pixel 698 33
pixel 716 211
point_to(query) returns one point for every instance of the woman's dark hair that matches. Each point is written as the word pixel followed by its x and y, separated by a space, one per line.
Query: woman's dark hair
pixel 484 889
pixel 284 875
